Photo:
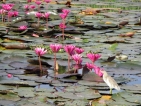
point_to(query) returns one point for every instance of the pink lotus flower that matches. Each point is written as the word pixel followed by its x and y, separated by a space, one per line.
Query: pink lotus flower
pixel 6 7
pixel 38 2
pixel 40 51
pixel 55 47
pixel 77 58
pixel 47 1
pixel 22 27
pixel 79 50
pixel 89 66
pixel 15 13
pixel 62 26
pixel 11 4
pixel 26 6
pixel 10 13
pixel 66 11
pixel 93 57
pixel 38 14
pixel 46 15
pixel 2 11
pixel 63 15
pixel 9 75
pixel 29 1
pixel 31 6
pixel 98 71
pixel 69 49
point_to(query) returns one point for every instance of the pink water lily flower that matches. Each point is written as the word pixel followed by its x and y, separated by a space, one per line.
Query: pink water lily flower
pixel 66 11
pixel 6 7
pixel 38 14
pixel 90 66
pixel 40 51
pixel 46 15
pixel 55 47
pixel 63 15
pixel 93 57
pixel 98 71
pixel 10 4
pixel 38 2
pixel 9 75
pixel 69 49
pixel 15 13
pixel 32 6
pixel 79 50
pixel 29 1
pixel 47 1
pixel 23 27
pixel 2 11
pixel 62 26
pixel 77 58
pixel 26 7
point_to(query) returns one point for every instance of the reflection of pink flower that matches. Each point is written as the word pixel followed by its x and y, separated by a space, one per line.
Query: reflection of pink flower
pixel 62 26
pixel 69 49
pixel 93 57
pixel 38 14
pixel 38 2
pixel 35 35
pixel 63 15
pixel 77 58
pixel 65 11
pixel 46 15
pixel 98 71
pixel 40 51
pixel 47 1
pixel 22 27
pixel 2 11
pixel 9 75
pixel 79 50
pixel 55 47
pixel 89 66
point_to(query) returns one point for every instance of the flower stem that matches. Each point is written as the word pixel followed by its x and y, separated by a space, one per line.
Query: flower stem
pixel 2 19
pixel 39 58
pixel 68 62
pixel 63 33
pixel 54 61
pixel 47 23
pixel 38 21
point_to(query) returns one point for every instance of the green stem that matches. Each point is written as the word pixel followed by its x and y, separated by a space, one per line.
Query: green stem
pixel 68 62
pixel 38 21
pixel 47 23
pixel 54 61
pixel 39 58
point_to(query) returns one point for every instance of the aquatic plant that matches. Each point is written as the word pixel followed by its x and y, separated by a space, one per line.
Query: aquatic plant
pixel 70 51
pixel 55 48
pixel 38 15
pixel 46 16
pixel 40 52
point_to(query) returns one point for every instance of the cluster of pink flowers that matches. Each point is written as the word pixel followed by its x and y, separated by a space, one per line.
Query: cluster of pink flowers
pixel 75 54
pixel 63 16
pixel 94 57
pixel 7 10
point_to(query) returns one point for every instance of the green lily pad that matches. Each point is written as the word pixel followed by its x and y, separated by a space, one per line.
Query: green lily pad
pixel 25 92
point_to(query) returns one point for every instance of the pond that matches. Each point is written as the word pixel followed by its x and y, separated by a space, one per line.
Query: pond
pixel 55 53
